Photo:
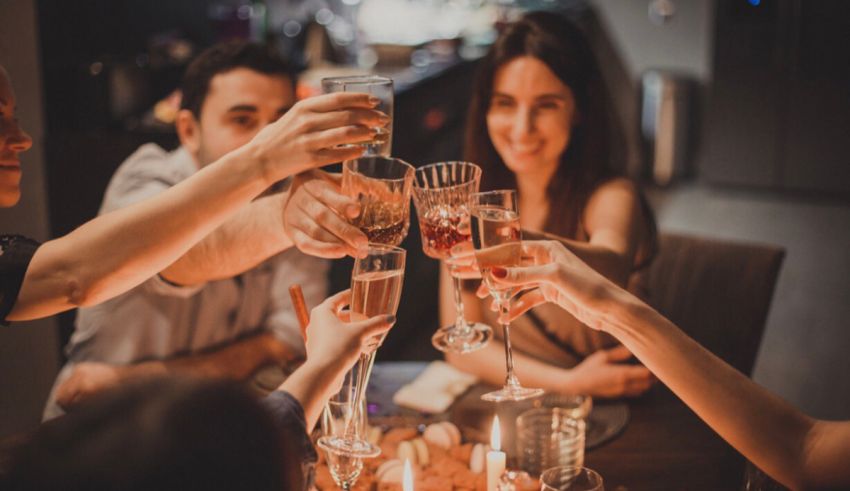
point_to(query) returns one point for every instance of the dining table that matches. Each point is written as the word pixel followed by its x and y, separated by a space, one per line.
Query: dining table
pixel 663 445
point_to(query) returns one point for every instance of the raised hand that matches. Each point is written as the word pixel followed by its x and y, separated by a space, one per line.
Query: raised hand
pixel 314 217
pixel 309 134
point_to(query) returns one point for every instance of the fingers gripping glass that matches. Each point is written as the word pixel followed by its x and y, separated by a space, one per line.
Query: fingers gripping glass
pixel 441 194
pixel 380 87
pixel 382 187
pixel 497 241
pixel 376 283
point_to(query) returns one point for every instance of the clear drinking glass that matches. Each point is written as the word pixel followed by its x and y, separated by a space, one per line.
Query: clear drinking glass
pixel 549 437
pixel 570 478
pixel 497 240
pixel 441 194
pixel 376 283
pixel 380 87
pixel 382 187
pixel 340 417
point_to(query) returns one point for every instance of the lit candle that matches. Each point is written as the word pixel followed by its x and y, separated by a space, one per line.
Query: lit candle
pixel 495 457
pixel 407 478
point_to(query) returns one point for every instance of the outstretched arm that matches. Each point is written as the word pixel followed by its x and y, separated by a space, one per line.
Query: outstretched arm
pixel 116 251
pixel 237 360
pixel 249 237
pixel 798 451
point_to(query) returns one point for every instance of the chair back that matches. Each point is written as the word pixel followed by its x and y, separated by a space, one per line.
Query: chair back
pixel 718 292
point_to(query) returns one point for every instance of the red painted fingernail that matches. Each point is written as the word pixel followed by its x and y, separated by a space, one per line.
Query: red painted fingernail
pixel 499 272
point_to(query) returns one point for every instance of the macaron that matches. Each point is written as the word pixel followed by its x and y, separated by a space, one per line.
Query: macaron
pixel 422 454
pixel 386 471
pixel 406 450
pixel 478 458
pixel 374 435
pixel 443 434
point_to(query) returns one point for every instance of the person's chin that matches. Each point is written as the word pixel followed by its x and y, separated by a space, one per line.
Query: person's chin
pixel 10 186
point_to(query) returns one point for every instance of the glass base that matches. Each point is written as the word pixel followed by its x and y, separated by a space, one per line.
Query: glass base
pixel 448 340
pixel 350 447
pixel 512 393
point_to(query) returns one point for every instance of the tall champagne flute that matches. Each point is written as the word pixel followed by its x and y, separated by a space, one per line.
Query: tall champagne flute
pixel 441 194
pixel 497 240
pixel 376 283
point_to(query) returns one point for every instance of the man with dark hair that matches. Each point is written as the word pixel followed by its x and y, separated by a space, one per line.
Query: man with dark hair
pixel 222 310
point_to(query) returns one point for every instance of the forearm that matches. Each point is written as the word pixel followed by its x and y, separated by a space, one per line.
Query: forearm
pixel 119 250
pixel 237 360
pixel 765 429
pixel 249 237
pixel 312 384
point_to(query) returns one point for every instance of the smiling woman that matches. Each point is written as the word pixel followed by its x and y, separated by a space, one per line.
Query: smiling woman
pixel 13 141
pixel 541 121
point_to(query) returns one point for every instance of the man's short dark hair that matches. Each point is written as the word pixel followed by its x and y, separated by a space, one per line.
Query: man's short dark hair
pixel 222 58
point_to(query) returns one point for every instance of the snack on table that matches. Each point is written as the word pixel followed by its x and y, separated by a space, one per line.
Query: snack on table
pixel 440 461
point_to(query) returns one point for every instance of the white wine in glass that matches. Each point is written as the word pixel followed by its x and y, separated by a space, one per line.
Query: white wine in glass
pixel 497 240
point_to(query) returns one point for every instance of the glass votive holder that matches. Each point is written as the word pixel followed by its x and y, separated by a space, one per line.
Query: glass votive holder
pixel 570 478
pixel 549 437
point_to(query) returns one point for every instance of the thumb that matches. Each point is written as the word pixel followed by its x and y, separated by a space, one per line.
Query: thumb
pixel 620 353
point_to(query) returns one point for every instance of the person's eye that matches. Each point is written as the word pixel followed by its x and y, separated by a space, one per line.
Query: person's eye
pixel 244 121
pixel 548 105
pixel 502 102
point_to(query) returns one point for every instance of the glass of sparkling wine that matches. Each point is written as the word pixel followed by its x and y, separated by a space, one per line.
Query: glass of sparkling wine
pixel 497 241
pixel 376 283
pixel 441 194
pixel 380 87
pixel 382 187
pixel 340 416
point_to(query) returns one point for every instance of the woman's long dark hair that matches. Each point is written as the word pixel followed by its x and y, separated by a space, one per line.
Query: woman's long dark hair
pixel 586 163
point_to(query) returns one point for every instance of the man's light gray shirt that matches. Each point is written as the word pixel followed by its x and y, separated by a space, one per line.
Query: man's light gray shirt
pixel 158 320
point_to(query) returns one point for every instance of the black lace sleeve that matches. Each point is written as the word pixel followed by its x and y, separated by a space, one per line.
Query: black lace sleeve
pixel 15 255
pixel 289 417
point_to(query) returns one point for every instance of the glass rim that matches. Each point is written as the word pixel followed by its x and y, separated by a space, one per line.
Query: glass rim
pixel 357 80
pixel 385 248
pixel 346 164
pixel 417 187
pixel 493 192
pixel 522 421
pixel 579 468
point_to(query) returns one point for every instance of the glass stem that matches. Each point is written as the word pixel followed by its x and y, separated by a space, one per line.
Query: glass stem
pixel 510 377
pixel 461 327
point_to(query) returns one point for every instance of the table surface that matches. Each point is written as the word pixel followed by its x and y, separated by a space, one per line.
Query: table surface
pixel 664 445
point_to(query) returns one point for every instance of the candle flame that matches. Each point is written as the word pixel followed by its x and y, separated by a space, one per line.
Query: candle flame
pixel 407 479
pixel 496 435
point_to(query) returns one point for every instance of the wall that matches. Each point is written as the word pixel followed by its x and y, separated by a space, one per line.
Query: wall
pixel 682 44
pixel 28 350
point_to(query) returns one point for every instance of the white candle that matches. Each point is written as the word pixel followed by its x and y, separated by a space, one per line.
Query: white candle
pixel 407 478
pixel 495 458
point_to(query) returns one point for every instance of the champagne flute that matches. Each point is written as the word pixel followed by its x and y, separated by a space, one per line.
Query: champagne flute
pixel 382 187
pixel 340 416
pixel 496 238
pixel 441 194
pixel 376 283
pixel 380 87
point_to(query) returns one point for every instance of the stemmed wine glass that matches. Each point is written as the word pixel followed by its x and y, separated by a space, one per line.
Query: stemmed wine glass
pixel 376 283
pixel 497 240
pixel 382 187
pixel 441 193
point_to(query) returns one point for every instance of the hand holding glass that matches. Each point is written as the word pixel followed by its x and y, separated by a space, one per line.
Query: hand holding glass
pixel 382 187
pixel 496 237
pixel 380 87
